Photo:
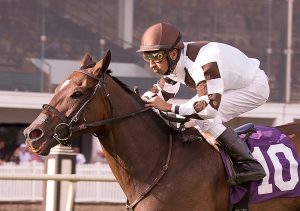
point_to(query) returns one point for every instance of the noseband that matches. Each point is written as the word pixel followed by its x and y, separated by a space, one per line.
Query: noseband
pixel 64 130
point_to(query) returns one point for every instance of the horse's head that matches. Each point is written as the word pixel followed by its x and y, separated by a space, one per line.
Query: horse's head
pixel 70 105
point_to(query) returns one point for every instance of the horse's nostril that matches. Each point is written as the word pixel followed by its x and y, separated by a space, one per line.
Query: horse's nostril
pixel 36 133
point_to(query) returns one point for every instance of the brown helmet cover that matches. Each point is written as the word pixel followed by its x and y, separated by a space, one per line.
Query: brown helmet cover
pixel 161 36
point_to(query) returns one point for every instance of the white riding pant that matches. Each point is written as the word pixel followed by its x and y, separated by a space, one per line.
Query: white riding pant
pixel 236 102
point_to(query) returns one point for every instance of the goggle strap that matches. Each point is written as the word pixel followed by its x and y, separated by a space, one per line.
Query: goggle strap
pixel 176 41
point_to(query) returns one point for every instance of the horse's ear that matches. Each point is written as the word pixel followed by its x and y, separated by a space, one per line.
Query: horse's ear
pixel 102 65
pixel 86 61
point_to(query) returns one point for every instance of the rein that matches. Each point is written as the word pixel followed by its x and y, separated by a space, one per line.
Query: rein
pixel 105 121
pixel 180 120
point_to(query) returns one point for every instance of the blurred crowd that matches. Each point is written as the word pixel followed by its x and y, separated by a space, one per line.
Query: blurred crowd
pixel 22 155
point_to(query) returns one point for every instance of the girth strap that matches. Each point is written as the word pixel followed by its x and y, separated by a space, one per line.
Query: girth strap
pixel 131 206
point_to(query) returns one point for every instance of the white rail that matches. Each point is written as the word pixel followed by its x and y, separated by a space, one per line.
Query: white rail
pixel 94 183
pixel 58 177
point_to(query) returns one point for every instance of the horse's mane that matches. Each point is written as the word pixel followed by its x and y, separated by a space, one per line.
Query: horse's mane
pixel 125 87
pixel 118 81
pixel 136 96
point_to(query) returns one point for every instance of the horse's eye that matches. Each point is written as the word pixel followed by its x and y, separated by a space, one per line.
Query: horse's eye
pixel 76 95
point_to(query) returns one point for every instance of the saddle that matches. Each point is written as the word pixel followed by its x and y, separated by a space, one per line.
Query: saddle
pixel 270 147
pixel 194 133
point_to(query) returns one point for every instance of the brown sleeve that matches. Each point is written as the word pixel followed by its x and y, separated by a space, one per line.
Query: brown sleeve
pixel 161 83
pixel 211 71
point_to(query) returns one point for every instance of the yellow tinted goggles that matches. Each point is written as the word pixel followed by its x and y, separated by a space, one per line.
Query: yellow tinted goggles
pixel 156 56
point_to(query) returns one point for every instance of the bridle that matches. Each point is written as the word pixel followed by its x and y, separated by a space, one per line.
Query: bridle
pixel 64 130
pixel 71 128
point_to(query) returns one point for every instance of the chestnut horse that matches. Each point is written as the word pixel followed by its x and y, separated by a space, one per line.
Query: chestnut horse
pixel 154 169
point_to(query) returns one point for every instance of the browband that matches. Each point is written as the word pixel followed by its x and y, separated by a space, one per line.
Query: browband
pixel 88 74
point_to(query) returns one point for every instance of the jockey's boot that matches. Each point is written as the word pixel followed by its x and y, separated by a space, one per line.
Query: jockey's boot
pixel 248 168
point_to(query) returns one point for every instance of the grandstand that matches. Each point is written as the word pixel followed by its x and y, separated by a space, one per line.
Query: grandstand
pixel 66 29
pixel 35 35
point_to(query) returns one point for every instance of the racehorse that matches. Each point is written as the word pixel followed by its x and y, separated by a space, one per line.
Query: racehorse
pixel 154 169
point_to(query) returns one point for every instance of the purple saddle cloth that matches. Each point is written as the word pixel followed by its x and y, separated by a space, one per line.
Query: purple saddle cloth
pixel 280 160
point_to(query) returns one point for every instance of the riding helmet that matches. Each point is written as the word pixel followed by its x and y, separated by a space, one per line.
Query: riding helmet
pixel 161 36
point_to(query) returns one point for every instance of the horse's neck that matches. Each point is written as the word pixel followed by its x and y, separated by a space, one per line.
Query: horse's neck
pixel 136 149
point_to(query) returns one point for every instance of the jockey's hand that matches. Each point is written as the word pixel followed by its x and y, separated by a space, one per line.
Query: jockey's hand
pixel 145 99
pixel 159 104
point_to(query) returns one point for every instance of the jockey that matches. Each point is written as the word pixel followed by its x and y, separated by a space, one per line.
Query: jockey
pixel 227 83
